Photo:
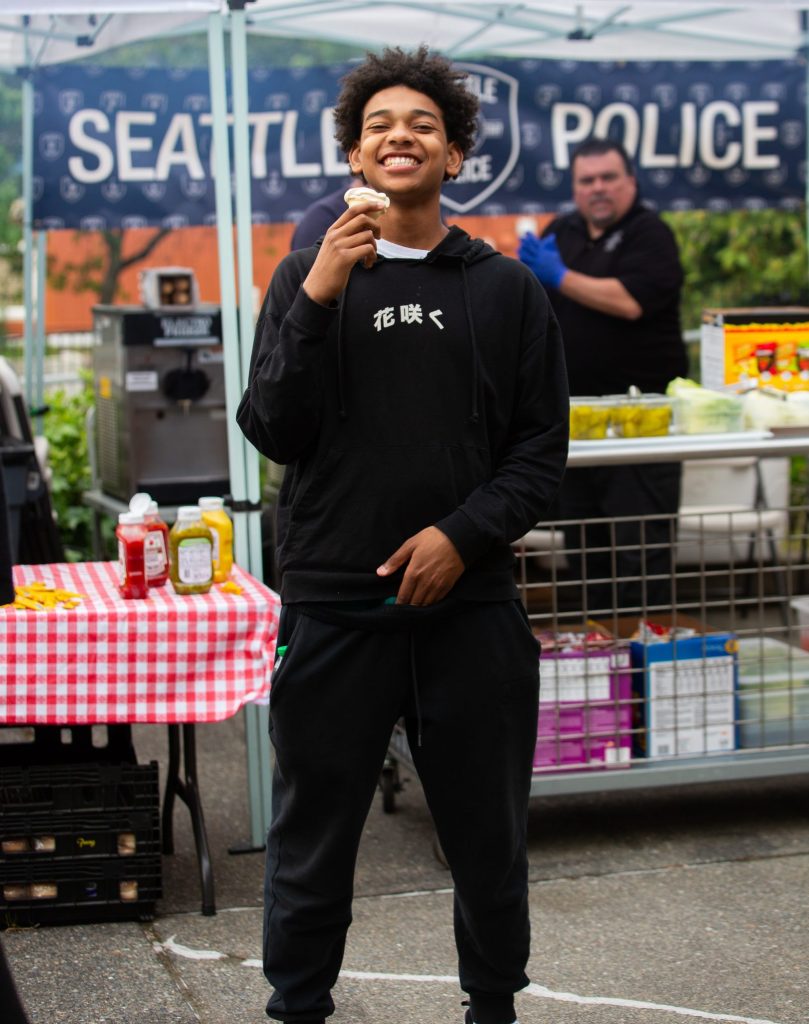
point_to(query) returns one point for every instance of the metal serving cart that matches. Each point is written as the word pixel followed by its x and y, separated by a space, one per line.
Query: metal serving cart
pixel 726 696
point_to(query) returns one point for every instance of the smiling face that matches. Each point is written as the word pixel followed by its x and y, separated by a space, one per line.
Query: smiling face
pixel 603 190
pixel 403 148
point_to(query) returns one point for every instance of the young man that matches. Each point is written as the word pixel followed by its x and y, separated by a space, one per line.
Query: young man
pixel 412 380
pixel 614 277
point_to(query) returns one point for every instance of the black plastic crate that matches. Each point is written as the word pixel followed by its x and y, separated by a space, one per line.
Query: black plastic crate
pixel 42 836
pixel 77 788
pixel 82 889
pixel 79 842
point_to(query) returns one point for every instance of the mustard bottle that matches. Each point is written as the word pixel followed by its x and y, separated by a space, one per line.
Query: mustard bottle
pixel 190 552
pixel 215 517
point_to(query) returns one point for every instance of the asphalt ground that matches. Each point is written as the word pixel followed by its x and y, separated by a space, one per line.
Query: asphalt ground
pixel 648 906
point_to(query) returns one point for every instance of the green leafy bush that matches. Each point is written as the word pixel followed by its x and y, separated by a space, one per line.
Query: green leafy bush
pixel 740 258
pixel 64 427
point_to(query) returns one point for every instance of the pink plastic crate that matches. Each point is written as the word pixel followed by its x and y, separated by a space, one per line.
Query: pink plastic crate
pixel 585 709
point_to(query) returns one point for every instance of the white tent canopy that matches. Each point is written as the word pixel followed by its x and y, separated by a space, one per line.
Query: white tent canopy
pixel 590 30
pixel 599 30
pixel 40 32
pixel 34 32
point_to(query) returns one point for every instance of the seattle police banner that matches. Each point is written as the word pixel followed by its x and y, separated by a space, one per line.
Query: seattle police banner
pixel 132 147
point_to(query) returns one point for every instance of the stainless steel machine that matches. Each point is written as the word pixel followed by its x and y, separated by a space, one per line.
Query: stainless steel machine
pixel 160 421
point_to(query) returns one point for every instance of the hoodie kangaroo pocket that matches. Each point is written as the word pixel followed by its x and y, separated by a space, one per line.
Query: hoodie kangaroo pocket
pixel 363 503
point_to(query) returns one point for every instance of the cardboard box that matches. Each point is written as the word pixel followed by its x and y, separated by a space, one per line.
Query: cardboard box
pixel 756 345
pixel 585 707
pixel 685 690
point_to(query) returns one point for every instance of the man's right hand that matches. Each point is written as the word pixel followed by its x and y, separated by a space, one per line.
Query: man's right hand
pixel 542 256
pixel 351 239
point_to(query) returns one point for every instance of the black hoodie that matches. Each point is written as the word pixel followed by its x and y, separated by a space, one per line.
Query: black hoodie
pixel 434 393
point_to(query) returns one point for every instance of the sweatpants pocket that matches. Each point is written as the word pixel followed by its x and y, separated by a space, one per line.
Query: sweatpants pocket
pixel 289 629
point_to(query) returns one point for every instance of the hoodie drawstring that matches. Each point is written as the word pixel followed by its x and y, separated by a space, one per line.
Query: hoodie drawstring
pixel 415 678
pixel 341 396
pixel 475 416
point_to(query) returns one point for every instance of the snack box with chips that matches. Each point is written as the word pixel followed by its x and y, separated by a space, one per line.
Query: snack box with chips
pixel 585 706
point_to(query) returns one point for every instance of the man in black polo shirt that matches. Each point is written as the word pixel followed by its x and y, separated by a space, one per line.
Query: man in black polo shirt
pixel 613 276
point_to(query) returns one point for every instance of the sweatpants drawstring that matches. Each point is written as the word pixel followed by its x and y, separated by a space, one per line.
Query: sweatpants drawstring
pixel 415 678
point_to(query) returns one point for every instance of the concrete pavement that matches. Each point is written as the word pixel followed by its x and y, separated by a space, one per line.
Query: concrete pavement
pixel 649 906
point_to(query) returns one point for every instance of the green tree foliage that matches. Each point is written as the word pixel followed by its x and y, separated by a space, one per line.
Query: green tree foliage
pixel 740 258
pixel 100 274
pixel 68 458
pixel 10 189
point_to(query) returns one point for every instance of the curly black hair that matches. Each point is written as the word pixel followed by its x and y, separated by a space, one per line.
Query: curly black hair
pixel 427 73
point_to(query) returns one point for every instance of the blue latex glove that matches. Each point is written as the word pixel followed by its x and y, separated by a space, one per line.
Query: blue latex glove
pixel 542 256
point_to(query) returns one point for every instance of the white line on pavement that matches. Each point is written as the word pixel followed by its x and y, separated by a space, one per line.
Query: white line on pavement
pixel 683 1011
pixel 540 991
pixel 170 946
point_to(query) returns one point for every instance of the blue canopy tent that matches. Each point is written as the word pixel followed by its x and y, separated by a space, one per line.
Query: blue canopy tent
pixel 38 32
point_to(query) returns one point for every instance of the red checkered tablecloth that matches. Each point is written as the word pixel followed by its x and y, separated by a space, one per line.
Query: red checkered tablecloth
pixel 166 658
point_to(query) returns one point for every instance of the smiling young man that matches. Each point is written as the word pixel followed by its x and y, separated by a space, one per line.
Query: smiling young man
pixel 412 381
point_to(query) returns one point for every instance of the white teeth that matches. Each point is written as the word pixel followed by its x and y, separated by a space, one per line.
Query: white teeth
pixel 400 161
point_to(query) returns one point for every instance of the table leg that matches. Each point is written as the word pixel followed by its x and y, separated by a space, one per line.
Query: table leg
pixel 172 786
pixel 187 789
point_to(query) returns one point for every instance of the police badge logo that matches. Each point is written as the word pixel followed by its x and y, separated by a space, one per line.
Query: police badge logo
pixel 111 100
pixel 69 100
pixel 71 191
pixel 113 191
pixel 51 145
pixel 497 150
pixel 154 191
pixel 156 101
pixel 314 187
pixel 193 188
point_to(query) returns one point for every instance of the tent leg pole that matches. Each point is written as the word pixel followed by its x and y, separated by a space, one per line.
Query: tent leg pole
pixel 28 234
pixel 237 444
pixel 257 737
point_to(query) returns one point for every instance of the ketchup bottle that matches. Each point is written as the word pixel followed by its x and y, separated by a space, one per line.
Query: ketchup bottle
pixel 156 547
pixel 131 533
pixel 156 541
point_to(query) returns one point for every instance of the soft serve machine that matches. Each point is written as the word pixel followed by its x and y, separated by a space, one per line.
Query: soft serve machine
pixel 160 420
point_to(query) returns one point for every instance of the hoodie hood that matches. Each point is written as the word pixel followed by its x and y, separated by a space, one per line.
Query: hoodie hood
pixel 457 244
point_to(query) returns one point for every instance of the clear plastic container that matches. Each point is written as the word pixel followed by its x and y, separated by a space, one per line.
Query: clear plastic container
pixel 589 418
pixel 639 415
pixel 702 411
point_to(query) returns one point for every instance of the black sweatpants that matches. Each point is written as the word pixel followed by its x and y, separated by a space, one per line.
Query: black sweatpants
pixel 467 684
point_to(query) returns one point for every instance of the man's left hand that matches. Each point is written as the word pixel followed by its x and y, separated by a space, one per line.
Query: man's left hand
pixel 543 257
pixel 433 567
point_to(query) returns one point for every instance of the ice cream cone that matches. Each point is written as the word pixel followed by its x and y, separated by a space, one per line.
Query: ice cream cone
pixel 364 194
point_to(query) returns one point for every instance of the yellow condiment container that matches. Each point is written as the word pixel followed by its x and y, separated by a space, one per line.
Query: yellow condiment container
pixel 589 418
pixel 639 415
pixel 190 552
pixel 216 518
